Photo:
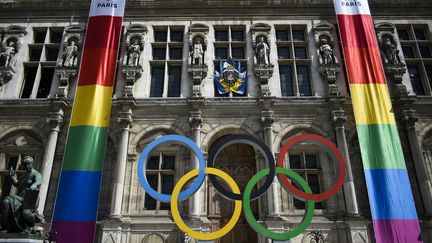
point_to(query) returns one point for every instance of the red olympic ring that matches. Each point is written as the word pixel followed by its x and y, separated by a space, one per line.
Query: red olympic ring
pixel 326 145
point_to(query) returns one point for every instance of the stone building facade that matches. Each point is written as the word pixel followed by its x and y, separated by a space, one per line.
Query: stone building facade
pixel 163 87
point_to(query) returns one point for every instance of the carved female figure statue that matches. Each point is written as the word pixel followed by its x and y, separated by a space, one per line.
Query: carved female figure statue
pixel 134 53
pixel 7 53
pixel 69 55
pixel 390 51
pixel 18 212
pixel 262 51
pixel 326 52
pixel 198 52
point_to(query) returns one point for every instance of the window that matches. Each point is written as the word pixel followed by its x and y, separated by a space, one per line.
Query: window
pixel 417 51
pixel 294 61
pixel 167 63
pixel 160 175
pixel 40 68
pixel 230 42
pixel 306 165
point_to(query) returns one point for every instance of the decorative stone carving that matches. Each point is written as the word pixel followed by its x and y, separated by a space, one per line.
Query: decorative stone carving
pixel 9 49
pixel 198 67
pixel 317 236
pixel 329 66
pixel 68 63
pixel 393 65
pixel 132 68
pixel 263 68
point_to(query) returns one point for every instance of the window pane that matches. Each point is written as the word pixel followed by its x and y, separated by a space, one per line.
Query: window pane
pixel 35 54
pixel 313 181
pixel 408 52
pixel 283 53
pixel 177 35
pixel 304 80
pixel 282 35
pixel 168 162
pixel 295 162
pixel 300 52
pixel 286 80
pixel 160 35
pixel 425 52
pixel 237 35
pixel 403 34
pixel 39 36
pixel 157 82
pixel 159 53
pixel 174 80
pixel 167 188
pixel 176 53
pixel 221 52
pixel 30 75
pixel 150 203
pixel 238 52
pixel 298 35
pixel 420 34
pixel 153 163
pixel 311 161
pixel 297 203
pixel 416 82
pixel 45 83
pixel 221 35
pixel 429 73
pixel 56 36
pixel 51 54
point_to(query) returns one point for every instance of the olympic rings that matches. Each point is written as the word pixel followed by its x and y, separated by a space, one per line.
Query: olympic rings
pixel 310 206
pixel 330 148
pixel 143 161
pixel 233 139
pixel 198 235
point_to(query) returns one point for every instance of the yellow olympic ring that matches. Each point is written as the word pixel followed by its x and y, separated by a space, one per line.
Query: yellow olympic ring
pixel 198 235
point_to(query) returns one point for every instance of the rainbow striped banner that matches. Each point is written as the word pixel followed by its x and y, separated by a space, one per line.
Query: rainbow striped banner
pixel 393 211
pixel 78 191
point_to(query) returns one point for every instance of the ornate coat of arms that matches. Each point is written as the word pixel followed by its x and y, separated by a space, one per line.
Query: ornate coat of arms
pixel 229 78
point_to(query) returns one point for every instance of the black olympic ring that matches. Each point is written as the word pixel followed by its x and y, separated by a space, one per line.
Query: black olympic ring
pixel 244 139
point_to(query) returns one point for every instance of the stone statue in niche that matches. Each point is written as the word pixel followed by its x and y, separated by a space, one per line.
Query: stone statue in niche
pixel 198 51
pixel 70 54
pixel 326 52
pixel 8 52
pixel 134 53
pixel 390 51
pixel 262 51
pixel 18 212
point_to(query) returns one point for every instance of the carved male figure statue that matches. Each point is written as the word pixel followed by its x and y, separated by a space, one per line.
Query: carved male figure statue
pixel 69 55
pixel 262 51
pixel 390 51
pixel 134 54
pixel 7 53
pixel 18 212
pixel 326 52
pixel 197 52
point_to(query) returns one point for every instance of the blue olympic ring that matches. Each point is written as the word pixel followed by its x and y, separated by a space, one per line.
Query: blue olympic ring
pixel 143 161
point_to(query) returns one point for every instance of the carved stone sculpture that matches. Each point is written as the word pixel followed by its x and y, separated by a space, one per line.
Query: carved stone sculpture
pixel 198 51
pixel 134 53
pixel 390 51
pixel 326 52
pixel 18 212
pixel 7 54
pixel 70 55
pixel 262 51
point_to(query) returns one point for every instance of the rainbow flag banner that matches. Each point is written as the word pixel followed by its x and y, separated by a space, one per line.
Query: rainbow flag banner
pixel 393 211
pixel 77 199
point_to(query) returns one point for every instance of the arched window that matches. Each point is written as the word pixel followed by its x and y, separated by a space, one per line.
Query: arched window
pixel 153 238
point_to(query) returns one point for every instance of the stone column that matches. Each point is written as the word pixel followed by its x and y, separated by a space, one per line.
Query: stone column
pixel 55 121
pixel 418 160
pixel 125 121
pixel 348 186
pixel 267 120
pixel 195 122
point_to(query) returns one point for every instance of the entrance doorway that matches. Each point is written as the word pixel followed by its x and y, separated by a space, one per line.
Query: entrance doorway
pixel 237 160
